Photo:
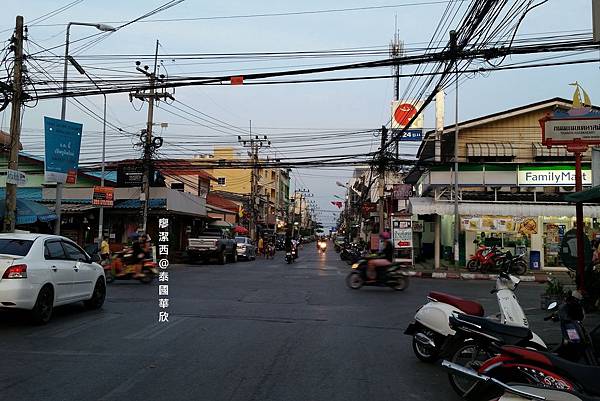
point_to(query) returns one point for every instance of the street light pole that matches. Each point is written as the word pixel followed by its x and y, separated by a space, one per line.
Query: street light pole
pixel 63 109
pixel 80 69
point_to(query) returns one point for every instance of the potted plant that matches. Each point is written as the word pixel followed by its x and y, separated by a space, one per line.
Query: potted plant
pixel 554 292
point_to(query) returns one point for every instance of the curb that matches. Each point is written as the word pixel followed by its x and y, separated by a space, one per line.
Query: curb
pixel 537 278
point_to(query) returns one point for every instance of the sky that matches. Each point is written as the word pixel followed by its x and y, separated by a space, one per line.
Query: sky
pixel 296 117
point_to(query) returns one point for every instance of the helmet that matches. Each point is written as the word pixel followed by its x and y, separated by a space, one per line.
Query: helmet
pixel 385 235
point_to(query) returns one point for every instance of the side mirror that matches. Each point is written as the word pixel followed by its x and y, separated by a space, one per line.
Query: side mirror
pixel 552 305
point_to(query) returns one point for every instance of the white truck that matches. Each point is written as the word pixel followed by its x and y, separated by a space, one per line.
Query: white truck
pixel 214 243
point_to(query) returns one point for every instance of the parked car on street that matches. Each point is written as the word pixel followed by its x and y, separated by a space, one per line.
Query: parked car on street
pixel 245 248
pixel 214 242
pixel 40 272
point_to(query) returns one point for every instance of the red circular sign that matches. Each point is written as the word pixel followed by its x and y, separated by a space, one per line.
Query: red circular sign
pixel 404 112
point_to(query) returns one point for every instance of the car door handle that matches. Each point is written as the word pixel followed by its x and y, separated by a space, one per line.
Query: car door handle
pixel 54 268
pixel 76 268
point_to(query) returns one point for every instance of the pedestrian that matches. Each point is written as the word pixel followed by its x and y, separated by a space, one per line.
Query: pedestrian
pixel 261 246
pixel 104 250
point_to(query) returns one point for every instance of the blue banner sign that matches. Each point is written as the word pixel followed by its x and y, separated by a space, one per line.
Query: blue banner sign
pixel 412 135
pixel 62 144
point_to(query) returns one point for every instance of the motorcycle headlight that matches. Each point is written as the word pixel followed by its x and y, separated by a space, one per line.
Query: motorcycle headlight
pixel 355 266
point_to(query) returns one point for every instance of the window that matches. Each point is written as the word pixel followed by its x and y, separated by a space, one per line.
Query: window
pixel 221 180
pixel 53 250
pixel 17 247
pixel 73 252
pixel 179 186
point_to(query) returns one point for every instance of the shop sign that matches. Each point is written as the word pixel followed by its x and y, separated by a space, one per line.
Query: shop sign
pixel 130 175
pixel 417 226
pixel 62 145
pixel 403 112
pixel 547 177
pixel 402 191
pixel 103 196
pixel 402 233
pixel 368 207
pixel 15 177
pixel 522 225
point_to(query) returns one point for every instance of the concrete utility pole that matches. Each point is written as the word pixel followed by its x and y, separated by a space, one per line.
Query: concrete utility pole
pixel 15 127
pixel 439 130
pixel 150 143
pixel 454 49
pixel 381 184
pixel 255 144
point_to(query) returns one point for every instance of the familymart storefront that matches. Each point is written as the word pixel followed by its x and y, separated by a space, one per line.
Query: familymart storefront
pixel 517 208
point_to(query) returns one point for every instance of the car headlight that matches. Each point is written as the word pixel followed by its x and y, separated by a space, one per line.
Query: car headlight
pixel 355 266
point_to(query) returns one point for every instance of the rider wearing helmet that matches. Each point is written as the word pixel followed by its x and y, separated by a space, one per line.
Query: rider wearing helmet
pixel 387 246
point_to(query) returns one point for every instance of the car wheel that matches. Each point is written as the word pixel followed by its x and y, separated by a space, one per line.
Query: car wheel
pixel 235 257
pixel 98 296
pixel 222 258
pixel 44 304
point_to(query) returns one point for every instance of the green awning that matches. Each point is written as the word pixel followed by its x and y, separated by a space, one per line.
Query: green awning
pixel 591 195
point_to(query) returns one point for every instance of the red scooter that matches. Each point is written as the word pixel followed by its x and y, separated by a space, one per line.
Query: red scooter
pixel 483 258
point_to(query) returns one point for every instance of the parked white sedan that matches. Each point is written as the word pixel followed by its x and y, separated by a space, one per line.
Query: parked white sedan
pixel 39 272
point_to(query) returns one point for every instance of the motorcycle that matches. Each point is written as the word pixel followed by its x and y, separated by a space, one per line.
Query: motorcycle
pixel 121 267
pixel 388 274
pixel 431 329
pixel 483 256
pixel 554 388
pixel 491 260
pixel 322 246
pixel 486 340
pixel 292 255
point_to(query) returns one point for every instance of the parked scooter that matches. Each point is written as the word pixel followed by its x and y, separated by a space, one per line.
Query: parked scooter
pixel 482 339
pixel 389 274
pixel 121 267
pixel 553 386
pixel 484 255
pixel 491 260
pixel 431 330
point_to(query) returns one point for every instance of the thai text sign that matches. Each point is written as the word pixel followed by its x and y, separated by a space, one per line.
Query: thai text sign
pixel 402 191
pixel 103 196
pixel 15 177
pixel 547 177
pixel 62 144
pixel 402 233
pixel 567 130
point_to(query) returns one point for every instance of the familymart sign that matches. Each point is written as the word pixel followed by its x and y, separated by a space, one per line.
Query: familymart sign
pixel 560 176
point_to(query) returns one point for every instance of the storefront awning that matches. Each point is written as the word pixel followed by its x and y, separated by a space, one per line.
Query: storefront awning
pixel 490 150
pixel 427 205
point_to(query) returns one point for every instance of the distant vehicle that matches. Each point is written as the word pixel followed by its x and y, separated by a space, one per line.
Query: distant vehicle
pixel 214 242
pixel 338 242
pixel 40 272
pixel 245 248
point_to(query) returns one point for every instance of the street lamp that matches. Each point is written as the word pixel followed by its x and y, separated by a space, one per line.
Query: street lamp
pixel 80 69
pixel 63 110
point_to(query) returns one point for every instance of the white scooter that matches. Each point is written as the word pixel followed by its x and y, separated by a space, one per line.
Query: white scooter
pixel 431 330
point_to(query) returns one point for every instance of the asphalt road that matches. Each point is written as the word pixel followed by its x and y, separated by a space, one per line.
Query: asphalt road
pixel 261 330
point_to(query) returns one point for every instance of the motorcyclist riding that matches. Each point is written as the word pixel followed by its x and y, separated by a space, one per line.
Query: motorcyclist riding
pixel 386 252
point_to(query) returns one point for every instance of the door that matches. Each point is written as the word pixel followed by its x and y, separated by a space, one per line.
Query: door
pixel 61 270
pixel 84 274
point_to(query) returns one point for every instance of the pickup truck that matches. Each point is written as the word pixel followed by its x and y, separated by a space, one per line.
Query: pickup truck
pixel 212 243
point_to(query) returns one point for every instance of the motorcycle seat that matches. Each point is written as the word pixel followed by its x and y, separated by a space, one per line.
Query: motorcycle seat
pixel 587 376
pixel 506 333
pixel 468 307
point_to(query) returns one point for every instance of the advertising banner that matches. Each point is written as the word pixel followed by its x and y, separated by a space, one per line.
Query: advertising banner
pixel 16 177
pixel 402 233
pixel 403 112
pixel 62 145
pixel 103 196
pixel 402 191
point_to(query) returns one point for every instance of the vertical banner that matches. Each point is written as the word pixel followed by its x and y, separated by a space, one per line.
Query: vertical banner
pixel 402 233
pixel 62 145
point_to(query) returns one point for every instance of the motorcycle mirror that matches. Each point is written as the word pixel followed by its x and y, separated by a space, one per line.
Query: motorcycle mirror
pixel 552 305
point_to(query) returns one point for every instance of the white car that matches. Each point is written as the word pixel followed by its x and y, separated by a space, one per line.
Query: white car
pixel 39 272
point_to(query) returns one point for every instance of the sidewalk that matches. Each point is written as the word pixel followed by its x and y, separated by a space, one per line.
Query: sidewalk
pixel 447 272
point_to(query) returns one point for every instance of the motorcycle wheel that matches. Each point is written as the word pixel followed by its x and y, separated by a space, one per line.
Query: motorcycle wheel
pixel 109 276
pixel 401 284
pixel 148 277
pixel 472 266
pixel 354 281
pixel 424 352
pixel 471 355
pixel 520 268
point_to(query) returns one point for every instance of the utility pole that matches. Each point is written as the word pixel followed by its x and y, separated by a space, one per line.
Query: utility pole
pixel 255 143
pixel 396 50
pixel 15 127
pixel 454 50
pixel 381 184
pixel 150 144
pixel 439 130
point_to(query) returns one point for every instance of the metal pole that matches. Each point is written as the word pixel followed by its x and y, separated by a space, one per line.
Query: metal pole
pixel 15 129
pixel 453 39
pixel 579 218
pixel 101 213
pixel 63 112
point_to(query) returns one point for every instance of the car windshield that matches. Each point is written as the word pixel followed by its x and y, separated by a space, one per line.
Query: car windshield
pixel 240 240
pixel 17 247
